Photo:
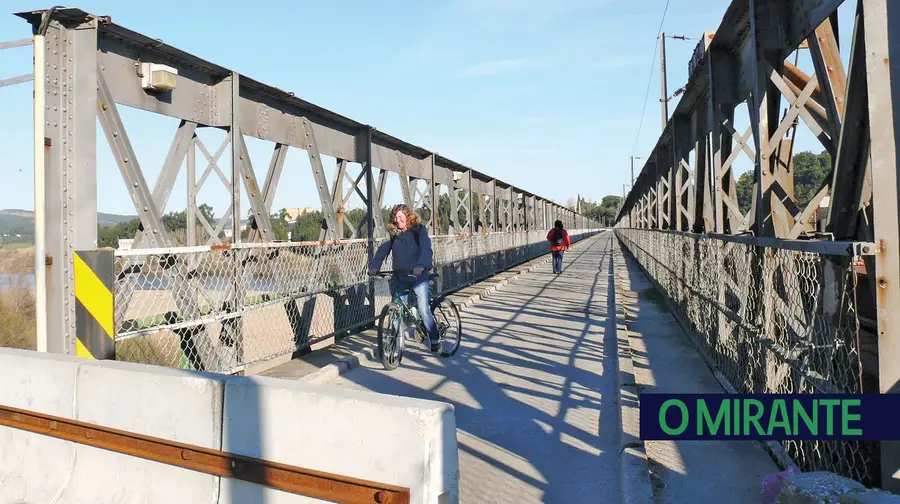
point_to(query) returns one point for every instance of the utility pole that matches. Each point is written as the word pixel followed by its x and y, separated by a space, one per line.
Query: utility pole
pixel 632 168
pixel 664 98
pixel 632 171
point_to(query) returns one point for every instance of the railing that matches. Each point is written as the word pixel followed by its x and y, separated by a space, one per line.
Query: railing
pixel 770 316
pixel 224 308
pixel 283 477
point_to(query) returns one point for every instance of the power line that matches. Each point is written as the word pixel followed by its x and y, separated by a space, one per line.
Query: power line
pixel 650 77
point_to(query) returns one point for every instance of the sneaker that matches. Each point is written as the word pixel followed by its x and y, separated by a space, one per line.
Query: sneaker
pixel 435 346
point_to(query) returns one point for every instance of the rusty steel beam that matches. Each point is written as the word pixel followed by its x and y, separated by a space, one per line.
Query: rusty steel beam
pixel 797 79
pixel 800 79
pixel 817 110
pixel 287 478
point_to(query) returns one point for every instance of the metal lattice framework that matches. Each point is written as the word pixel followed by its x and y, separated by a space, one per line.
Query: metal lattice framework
pixel 847 233
pixel 87 67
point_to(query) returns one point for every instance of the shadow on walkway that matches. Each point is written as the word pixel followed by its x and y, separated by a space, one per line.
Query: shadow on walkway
pixel 533 385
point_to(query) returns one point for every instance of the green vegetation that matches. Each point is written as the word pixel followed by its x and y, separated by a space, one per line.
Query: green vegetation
pixel 604 212
pixel 174 222
pixel 17 323
pixel 17 226
pixel 810 171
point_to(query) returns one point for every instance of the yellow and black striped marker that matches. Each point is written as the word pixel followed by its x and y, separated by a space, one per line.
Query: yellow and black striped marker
pixel 94 312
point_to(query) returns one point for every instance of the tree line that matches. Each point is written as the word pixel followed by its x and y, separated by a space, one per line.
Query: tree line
pixel 605 211
pixel 809 172
pixel 307 227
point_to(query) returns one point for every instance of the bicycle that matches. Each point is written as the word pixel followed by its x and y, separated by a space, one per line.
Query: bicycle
pixel 399 315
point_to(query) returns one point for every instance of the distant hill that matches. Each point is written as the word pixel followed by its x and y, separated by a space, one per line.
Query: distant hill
pixel 14 221
pixel 26 217
pixel 17 226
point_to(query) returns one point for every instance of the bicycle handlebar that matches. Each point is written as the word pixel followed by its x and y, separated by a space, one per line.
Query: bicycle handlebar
pixel 407 273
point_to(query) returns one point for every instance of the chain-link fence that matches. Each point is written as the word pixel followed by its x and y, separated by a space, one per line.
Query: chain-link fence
pixel 770 320
pixel 222 308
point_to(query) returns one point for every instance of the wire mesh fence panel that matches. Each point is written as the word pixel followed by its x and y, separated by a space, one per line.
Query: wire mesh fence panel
pixel 770 320
pixel 220 309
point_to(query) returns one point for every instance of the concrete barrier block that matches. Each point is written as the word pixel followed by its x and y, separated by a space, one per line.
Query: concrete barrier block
pixel 825 487
pixel 389 439
pixel 44 383
pixel 172 404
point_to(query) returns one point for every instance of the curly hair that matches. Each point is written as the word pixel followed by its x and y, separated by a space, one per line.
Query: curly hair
pixel 412 218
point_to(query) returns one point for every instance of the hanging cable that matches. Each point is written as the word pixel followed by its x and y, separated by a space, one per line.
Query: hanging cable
pixel 650 77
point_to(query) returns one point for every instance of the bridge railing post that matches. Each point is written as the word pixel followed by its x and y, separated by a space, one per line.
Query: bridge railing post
pixel 881 23
pixel 94 279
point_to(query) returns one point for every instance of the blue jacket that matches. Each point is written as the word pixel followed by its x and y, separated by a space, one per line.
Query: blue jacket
pixel 405 253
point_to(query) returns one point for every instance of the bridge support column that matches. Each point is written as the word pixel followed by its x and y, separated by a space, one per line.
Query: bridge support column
pixel 69 165
pixel 881 22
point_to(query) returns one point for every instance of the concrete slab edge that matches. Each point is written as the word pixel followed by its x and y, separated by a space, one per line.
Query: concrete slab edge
pixel 331 371
pixel 778 453
pixel 634 465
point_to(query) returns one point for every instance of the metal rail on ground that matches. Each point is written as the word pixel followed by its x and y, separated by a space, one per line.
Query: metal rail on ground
pixel 287 478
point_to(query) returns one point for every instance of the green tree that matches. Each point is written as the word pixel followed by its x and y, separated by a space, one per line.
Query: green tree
pixel 744 190
pixel 308 227
pixel 109 236
pixel 611 201
pixel 810 171
pixel 604 212
pixel 280 226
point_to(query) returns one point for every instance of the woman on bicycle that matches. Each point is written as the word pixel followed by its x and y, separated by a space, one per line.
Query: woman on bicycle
pixel 411 248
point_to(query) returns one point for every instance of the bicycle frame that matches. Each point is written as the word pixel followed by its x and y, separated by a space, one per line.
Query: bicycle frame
pixel 406 312
pixel 397 317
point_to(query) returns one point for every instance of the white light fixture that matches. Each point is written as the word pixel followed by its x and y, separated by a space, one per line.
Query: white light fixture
pixel 159 78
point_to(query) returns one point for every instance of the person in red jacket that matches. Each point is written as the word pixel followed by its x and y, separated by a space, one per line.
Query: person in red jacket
pixel 559 243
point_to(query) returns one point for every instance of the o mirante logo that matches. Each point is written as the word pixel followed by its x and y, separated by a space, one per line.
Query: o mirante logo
pixel 769 416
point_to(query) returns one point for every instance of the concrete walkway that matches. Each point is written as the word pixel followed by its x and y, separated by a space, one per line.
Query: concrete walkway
pixel 535 389
pixel 534 386
pixel 665 361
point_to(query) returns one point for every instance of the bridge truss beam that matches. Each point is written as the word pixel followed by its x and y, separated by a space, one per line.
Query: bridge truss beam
pixel 853 114
pixel 93 66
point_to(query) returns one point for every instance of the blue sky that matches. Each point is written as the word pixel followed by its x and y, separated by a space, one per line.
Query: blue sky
pixel 545 95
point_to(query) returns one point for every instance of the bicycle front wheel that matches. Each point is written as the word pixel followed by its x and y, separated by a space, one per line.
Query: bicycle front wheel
pixel 390 339
pixel 449 325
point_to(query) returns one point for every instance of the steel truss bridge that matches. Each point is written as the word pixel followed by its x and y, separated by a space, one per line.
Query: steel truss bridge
pixel 217 304
pixel 781 297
